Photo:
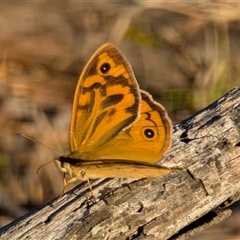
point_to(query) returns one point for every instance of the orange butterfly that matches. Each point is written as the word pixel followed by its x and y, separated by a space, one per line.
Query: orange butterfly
pixel 116 130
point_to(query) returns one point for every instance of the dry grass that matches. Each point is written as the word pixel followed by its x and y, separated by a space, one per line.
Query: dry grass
pixel 185 54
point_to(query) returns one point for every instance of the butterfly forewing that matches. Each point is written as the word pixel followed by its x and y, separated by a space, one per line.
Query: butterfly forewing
pixel 107 100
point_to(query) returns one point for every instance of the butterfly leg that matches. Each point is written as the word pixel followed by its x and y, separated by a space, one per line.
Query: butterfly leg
pixel 90 187
pixel 65 184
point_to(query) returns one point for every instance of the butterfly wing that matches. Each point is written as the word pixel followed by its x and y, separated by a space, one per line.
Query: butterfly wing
pixel 106 101
pixel 145 141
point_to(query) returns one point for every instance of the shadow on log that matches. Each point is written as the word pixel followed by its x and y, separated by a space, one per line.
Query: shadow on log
pixel 176 206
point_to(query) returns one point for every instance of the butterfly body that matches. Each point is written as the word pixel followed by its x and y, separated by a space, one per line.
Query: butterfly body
pixel 116 130
pixel 83 170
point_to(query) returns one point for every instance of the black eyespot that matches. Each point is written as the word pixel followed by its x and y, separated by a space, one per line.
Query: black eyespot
pixel 149 133
pixel 105 68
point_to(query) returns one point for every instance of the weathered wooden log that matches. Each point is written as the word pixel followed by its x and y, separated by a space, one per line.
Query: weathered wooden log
pixel 176 206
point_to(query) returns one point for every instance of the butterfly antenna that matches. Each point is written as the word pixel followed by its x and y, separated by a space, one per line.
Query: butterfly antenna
pixel 44 165
pixel 32 139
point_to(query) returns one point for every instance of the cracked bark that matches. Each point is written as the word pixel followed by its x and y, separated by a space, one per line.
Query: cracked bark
pixel 175 206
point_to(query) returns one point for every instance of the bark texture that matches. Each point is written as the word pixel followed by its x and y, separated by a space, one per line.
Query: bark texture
pixel 176 206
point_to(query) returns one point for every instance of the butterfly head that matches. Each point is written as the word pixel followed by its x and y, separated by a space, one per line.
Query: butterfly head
pixel 63 165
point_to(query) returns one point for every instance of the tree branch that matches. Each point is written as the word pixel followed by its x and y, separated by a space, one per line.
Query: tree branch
pixel 175 206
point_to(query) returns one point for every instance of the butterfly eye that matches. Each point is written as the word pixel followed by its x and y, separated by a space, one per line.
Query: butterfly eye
pixel 149 134
pixel 105 67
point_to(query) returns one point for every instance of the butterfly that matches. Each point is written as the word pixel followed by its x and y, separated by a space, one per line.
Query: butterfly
pixel 116 129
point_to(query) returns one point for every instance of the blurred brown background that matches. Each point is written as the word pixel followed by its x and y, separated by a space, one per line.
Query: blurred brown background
pixel 185 54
